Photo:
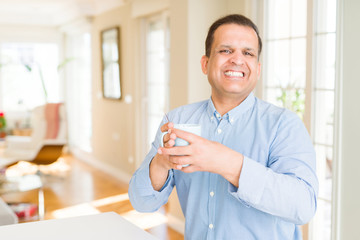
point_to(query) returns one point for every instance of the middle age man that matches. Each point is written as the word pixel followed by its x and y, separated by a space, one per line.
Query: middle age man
pixel 251 174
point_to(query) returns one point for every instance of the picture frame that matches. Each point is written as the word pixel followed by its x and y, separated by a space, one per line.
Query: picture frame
pixel 111 70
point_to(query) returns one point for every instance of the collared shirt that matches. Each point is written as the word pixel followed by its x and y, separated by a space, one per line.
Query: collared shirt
pixel 277 186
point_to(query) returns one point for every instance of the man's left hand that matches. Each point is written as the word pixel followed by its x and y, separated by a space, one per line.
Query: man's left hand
pixel 205 155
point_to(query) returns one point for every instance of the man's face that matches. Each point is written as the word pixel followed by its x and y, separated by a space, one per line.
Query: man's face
pixel 233 67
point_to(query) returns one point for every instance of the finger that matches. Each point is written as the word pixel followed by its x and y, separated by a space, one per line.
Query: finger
pixel 190 137
pixel 189 169
pixel 169 143
pixel 177 151
pixel 168 137
pixel 177 167
pixel 169 140
pixel 180 160
pixel 167 126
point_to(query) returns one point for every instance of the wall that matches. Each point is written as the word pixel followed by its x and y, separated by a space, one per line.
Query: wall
pixel 178 53
pixel 113 120
pixel 349 164
pixel 20 33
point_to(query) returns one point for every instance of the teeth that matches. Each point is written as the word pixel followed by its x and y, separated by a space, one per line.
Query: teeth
pixel 234 74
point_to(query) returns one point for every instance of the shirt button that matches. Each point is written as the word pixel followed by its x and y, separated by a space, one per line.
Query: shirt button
pixel 232 120
pixel 217 115
pixel 219 130
pixel 212 193
pixel 212 118
pixel 211 226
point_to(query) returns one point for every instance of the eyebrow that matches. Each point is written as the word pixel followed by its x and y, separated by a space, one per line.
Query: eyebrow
pixel 229 46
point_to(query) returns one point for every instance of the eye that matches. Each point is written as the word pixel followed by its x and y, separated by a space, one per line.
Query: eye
pixel 249 54
pixel 226 51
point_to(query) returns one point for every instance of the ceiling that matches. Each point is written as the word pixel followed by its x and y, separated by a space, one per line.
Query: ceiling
pixel 51 12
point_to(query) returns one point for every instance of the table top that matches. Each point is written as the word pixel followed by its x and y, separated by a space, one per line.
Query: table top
pixel 109 226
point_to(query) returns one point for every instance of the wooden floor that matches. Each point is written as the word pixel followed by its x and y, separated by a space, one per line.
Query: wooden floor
pixel 75 188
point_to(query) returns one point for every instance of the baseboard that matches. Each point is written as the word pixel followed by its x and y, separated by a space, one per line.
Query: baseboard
pixel 90 159
pixel 176 223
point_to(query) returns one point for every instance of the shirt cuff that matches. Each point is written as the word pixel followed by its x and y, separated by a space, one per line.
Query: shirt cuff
pixel 251 182
pixel 167 183
pixel 149 190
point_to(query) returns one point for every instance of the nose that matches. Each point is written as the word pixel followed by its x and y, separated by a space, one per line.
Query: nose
pixel 237 59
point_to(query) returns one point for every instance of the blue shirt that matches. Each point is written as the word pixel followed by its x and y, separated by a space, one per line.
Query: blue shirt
pixel 277 186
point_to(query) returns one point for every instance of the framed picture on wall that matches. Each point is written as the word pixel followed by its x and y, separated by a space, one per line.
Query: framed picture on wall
pixel 110 53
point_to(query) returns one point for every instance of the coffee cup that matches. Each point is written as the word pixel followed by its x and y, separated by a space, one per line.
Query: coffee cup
pixel 191 128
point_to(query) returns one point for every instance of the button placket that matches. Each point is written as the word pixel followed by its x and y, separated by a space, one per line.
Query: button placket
pixel 212 204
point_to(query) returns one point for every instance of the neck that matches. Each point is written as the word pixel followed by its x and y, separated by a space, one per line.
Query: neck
pixel 224 105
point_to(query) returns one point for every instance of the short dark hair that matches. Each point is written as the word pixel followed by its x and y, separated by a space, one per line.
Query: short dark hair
pixel 233 18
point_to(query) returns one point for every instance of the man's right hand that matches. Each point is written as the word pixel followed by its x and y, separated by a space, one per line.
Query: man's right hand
pixel 169 139
pixel 160 164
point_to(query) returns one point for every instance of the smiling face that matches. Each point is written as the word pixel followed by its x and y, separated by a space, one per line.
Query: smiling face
pixel 233 67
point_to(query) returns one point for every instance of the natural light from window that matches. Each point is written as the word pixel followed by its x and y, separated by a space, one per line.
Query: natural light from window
pixel 28 75
pixel 157 79
pixel 288 59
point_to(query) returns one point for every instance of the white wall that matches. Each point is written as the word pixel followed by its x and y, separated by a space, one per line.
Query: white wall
pixel 21 33
pixel 199 21
pixel 349 199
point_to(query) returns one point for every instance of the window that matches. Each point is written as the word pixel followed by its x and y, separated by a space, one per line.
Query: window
pixel 78 90
pixel 299 59
pixel 28 78
pixel 28 75
pixel 285 41
pixel 156 97
pixel 323 120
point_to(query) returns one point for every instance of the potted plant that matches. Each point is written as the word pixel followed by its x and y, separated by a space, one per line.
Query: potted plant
pixel 2 125
pixel 293 98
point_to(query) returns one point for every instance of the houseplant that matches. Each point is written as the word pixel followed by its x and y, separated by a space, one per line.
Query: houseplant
pixel 293 98
pixel 2 125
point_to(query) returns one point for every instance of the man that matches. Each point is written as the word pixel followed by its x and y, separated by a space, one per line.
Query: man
pixel 252 172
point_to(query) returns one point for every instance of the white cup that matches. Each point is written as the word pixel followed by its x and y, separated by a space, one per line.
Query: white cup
pixel 191 128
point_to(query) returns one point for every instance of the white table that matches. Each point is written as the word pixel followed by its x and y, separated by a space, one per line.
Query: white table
pixel 23 184
pixel 103 226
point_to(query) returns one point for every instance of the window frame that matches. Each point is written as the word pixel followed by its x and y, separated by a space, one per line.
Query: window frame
pixel 259 14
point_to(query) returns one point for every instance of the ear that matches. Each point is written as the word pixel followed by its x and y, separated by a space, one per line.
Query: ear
pixel 204 61
pixel 259 70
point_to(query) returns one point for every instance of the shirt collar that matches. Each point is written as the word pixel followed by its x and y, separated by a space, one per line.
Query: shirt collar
pixel 234 113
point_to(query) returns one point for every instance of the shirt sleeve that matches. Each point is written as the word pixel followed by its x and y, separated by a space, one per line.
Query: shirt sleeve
pixel 288 186
pixel 142 195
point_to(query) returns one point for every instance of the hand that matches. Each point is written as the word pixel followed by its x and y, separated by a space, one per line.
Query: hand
pixel 169 139
pixel 204 155
pixel 160 164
